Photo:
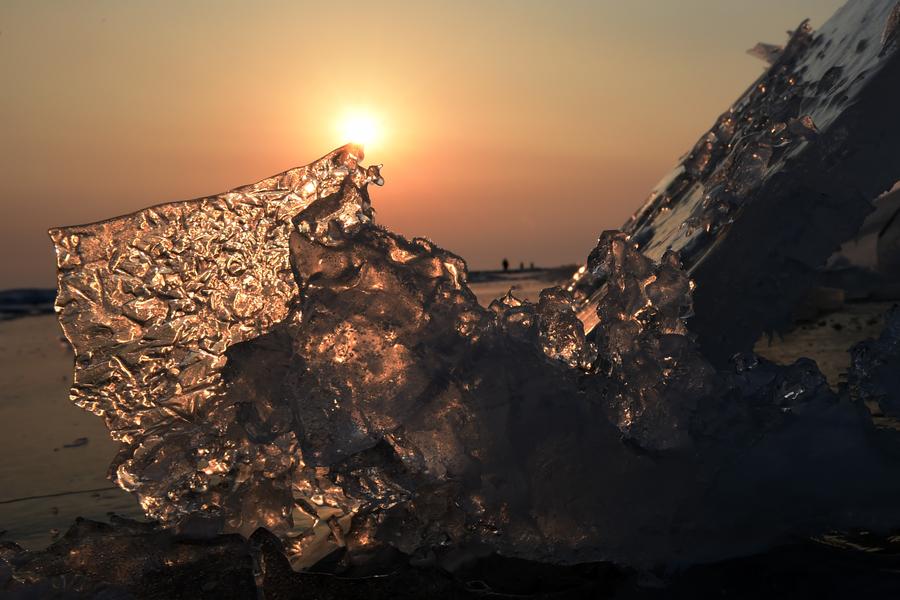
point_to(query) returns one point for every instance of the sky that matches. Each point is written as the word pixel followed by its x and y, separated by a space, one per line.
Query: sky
pixel 517 129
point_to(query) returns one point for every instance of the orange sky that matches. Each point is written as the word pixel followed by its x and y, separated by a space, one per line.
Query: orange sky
pixel 516 128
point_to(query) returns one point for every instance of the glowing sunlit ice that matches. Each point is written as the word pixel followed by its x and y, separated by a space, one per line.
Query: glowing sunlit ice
pixel 360 128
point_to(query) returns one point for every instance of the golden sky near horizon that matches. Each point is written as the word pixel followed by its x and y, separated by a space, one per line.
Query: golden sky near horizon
pixel 516 129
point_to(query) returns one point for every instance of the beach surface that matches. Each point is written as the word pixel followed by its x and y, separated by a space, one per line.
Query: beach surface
pixel 53 455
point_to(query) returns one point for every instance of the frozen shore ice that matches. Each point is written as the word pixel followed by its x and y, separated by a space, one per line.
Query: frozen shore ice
pixel 362 391
pixel 271 358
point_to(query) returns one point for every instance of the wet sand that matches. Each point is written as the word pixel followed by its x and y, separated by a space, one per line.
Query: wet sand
pixel 828 338
pixel 525 285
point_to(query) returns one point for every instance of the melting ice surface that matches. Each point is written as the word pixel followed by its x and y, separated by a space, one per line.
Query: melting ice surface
pixel 270 357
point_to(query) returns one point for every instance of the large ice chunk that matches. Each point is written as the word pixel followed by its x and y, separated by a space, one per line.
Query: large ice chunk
pixel 780 180
pixel 358 396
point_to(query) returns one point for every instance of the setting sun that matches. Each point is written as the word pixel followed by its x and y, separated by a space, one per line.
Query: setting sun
pixel 360 128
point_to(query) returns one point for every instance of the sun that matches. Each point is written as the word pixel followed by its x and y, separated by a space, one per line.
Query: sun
pixel 360 128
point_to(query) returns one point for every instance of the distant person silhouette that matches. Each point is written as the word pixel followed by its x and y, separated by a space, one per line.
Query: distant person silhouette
pixel 521 266
pixel 505 265
pixel 531 266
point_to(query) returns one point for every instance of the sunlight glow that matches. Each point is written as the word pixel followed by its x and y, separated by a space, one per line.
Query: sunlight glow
pixel 360 128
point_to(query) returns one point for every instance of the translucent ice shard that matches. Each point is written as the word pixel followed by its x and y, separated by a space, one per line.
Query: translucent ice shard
pixel 152 301
pixel 561 334
pixel 766 52
pixel 784 176
pixel 644 345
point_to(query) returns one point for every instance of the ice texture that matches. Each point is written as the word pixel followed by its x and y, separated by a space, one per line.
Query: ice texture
pixel 656 371
pixel 780 180
pixel 360 398
pixel 151 303
pixel 272 358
